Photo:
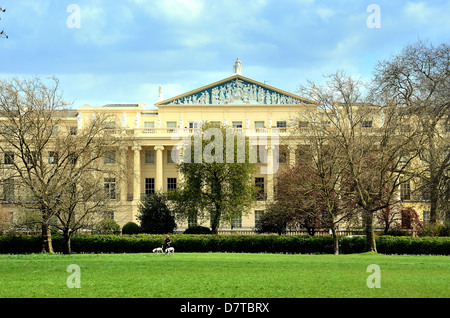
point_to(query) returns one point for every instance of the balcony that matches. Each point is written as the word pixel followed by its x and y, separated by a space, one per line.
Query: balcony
pixel 170 132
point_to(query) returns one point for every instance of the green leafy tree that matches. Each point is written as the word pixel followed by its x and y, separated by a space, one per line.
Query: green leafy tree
pixel 217 176
pixel 155 215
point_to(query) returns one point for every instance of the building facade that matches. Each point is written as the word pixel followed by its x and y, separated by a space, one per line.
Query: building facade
pixel 248 106
pixel 265 114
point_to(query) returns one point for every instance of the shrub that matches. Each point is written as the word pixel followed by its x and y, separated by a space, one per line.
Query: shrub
pixel 198 230
pixel 155 215
pixel 131 228
pixel 436 229
pixel 202 243
pixel 107 226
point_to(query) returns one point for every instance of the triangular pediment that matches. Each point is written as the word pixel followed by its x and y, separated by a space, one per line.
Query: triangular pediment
pixel 236 90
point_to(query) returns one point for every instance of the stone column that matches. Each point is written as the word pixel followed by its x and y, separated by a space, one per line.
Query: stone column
pixel 180 161
pixel 159 168
pixel 270 172
pixel 137 172
pixel 123 173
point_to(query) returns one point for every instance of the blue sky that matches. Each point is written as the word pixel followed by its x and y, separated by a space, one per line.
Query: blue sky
pixel 124 49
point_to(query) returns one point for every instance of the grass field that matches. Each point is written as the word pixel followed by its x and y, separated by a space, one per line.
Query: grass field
pixel 217 275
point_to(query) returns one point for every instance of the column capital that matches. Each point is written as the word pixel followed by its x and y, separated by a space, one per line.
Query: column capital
pixel 136 148
pixel 159 148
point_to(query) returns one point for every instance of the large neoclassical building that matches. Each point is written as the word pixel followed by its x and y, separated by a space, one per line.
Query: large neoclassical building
pixel 248 106
pixel 264 113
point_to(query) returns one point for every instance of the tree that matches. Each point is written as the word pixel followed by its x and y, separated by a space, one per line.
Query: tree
pixel 49 163
pixel 217 176
pixel 28 109
pixel 418 79
pixel 83 198
pixel 370 135
pixel 155 215
pixel 387 217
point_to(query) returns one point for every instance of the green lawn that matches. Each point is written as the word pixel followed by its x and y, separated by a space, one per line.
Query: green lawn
pixel 229 275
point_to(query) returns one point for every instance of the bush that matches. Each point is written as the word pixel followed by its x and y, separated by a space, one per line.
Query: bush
pixel 202 243
pixel 436 229
pixel 198 230
pixel 155 215
pixel 107 226
pixel 131 228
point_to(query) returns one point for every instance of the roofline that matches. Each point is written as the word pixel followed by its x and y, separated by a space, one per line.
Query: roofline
pixel 235 76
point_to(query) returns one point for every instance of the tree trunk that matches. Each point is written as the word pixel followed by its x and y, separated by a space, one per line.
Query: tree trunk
pixel 46 239
pixel 434 201
pixel 67 245
pixel 335 241
pixel 371 245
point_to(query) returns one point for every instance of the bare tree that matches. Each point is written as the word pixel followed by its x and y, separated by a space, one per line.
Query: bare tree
pixel 372 142
pixel 91 155
pixel 321 175
pixel 418 79
pixel 45 158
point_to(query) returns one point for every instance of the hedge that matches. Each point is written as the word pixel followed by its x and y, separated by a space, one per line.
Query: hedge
pixel 186 243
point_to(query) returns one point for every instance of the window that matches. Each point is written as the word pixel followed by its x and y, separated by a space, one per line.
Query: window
pixel 192 220
pixel 110 188
pixel 300 154
pixel 237 124
pixel 149 186
pixel 281 125
pixel 302 124
pixel 149 127
pixel 426 216
pixel 171 184
pixel 366 124
pixel 109 157
pixel 259 182
pixel 73 131
pixel 149 156
pixel 52 157
pixel 31 157
pixel 194 124
pixel 9 158
pixel 169 155
pixel 8 191
pixel 258 216
pixel 236 223
pixel 73 158
pixel 261 154
pixel 260 124
pixel 110 125
pixel 282 155
pixel 405 191
pixel 171 126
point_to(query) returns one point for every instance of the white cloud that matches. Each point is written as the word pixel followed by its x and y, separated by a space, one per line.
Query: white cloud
pixel 325 13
